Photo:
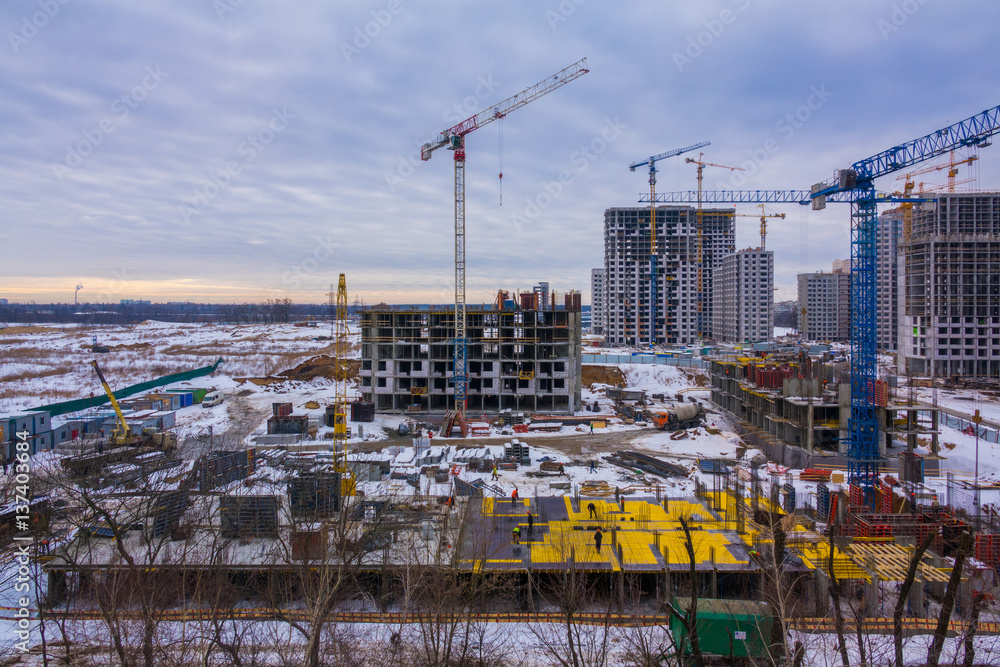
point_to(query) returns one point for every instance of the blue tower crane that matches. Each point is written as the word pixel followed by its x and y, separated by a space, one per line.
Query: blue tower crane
pixel 859 182
pixel 651 161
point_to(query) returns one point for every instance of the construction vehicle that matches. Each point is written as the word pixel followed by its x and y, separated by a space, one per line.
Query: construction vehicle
pixel 684 415
pixel 122 435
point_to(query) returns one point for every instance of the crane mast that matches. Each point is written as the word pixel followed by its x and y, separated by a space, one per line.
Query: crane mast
pixel 454 139
pixel 701 168
pixel 858 181
pixel 340 347
pixel 651 161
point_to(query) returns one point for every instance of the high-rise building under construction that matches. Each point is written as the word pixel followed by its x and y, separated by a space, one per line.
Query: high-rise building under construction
pixel 950 311
pixel 627 292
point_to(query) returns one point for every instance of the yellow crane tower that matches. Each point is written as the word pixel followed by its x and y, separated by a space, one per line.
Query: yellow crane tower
pixel 340 351
pixel 701 167
pixel 121 434
pixel 763 222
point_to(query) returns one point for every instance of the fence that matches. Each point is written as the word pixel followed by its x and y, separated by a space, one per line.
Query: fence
pixel 960 424
pixel 66 407
pixel 654 359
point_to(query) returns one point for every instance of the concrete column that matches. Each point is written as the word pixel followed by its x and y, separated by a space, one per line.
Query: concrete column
pixel 822 594
pixel 667 583
pixel 917 600
pixel 872 597
pixel 935 445
pixel 621 580
pixel 810 435
pixel 714 580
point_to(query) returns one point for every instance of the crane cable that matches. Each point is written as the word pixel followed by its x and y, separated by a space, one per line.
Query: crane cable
pixel 501 160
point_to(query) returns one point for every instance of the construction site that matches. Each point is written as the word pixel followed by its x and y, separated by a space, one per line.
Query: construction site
pixel 750 500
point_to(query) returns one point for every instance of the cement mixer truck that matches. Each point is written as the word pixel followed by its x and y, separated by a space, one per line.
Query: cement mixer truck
pixel 682 415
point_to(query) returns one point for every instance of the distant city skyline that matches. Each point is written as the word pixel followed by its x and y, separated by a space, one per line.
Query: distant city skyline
pixel 228 152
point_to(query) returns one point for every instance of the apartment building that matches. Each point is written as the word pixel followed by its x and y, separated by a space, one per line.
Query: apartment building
pixel 522 359
pixel 825 306
pixel 598 315
pixel 680 319
pixel 744 297
pixel 950 305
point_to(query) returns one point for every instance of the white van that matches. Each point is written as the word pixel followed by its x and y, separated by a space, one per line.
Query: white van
pixel 211 398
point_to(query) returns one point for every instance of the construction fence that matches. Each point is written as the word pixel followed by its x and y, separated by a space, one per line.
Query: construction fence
pixel 66 407
pixel 654 359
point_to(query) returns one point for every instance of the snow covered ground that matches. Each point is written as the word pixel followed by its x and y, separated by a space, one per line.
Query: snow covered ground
pixel 51 363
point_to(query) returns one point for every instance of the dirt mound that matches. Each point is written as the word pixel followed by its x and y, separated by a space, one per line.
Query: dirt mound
pixel 611 375
pixel 323 366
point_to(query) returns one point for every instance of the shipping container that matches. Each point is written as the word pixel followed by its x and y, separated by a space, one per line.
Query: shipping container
pixel 165 420
pixel 14 423
pixel 186 396
pixel 41 442
pixel 41 422
pixel 727 629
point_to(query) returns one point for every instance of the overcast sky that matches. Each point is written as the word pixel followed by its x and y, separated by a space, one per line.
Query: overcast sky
pixel 231 150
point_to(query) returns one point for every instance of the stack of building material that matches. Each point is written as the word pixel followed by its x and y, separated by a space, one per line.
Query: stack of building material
pixel 298 424
pixel 315 494
pixel 517 451
pixel 249 516
pixel 362 411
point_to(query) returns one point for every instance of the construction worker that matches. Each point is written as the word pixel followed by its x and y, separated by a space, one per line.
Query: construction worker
pixel 495 476
pixel 513 497
pixel 618 496
pixel 516 533
pixel 593 466
pixel 592 508
pixel 591 428
pixel 598 536
pixel 531 522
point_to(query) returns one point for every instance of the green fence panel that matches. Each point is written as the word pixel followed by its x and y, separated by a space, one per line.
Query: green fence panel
pixel 66 407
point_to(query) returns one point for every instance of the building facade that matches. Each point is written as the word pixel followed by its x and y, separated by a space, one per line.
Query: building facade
pixel 627 246
pixel 744 297
pixel 825 306
pixel 888 237
pixel 950 305
pixel 598 315
pixel 518 359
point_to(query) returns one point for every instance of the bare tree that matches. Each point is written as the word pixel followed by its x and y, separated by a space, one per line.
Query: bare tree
pixel 120 537
pixel 904 594
pixel 326 554
pixel 948 603
pixel 838 613
pixel 690 618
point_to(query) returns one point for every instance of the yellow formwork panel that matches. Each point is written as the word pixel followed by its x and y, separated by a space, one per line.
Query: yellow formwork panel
pixel 562 541
pixel 817 556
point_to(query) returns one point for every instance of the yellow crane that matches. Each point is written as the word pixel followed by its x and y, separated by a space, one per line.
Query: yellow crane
pixel 701 167
pixel 763 221
pixel 952 167
pixel 122 434
pixel 341 346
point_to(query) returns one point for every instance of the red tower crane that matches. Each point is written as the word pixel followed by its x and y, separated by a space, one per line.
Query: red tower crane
pixel 454 139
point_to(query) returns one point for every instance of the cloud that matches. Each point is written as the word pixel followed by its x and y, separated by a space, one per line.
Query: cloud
pixel 317 192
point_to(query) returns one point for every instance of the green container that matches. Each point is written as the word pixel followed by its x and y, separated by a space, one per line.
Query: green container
pixel 726 628
pixel 199 394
